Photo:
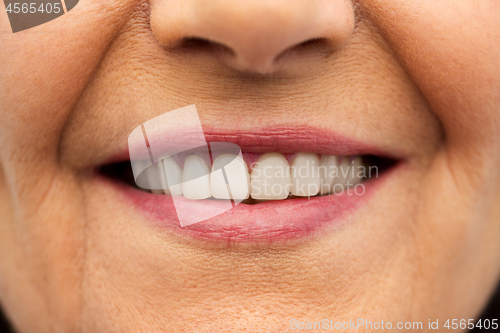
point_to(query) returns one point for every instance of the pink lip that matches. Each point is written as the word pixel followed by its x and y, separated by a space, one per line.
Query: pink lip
pixel 268 222
pixel 272 221
pixel 283 139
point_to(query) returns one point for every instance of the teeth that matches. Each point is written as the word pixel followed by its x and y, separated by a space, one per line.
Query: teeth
pixel 195 178
pixel 155 178
pixel 304 174
pixel 236 183
pixel 342 174
pixel 270 179
pixel 356 164
pixel 174 176
pixel 328 172
pixel 347 173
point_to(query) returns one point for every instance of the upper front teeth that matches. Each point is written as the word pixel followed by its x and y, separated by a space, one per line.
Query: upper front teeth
pixel 173 174
pixel 305 175
pixel 272 178
pixel 229 178
pixel 195 179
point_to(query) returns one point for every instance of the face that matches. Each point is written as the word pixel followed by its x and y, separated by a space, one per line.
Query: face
pixel 413 83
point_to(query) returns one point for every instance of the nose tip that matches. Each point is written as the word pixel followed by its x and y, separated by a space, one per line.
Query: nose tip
pixel 252 35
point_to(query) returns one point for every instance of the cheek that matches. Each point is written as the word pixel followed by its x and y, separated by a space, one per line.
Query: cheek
pixel 43 72
pixel 45 69
pixel 451 51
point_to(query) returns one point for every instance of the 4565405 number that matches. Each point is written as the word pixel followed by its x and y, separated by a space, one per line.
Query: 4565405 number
pixel 32 8
pixel 454 324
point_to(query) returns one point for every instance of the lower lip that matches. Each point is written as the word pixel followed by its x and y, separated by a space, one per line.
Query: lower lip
pixel 267 222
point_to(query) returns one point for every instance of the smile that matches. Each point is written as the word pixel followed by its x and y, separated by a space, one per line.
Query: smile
pixel 286 183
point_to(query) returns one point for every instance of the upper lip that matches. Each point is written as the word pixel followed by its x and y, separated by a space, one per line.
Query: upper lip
pixel 282 139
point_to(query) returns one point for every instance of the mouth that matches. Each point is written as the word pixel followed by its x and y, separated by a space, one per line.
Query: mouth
pixel 285 183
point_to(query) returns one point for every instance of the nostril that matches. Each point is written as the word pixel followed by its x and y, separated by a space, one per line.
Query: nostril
pixel 314 43
pixel 321 45
pixel 203 45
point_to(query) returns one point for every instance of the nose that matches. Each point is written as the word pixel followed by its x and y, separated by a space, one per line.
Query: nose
pixel 253 35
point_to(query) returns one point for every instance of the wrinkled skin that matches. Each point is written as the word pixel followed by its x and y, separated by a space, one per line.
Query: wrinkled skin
pixel 418 77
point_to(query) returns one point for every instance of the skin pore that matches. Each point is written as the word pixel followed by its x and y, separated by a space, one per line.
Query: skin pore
pixel 420 78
